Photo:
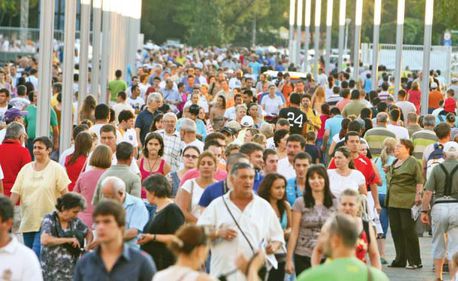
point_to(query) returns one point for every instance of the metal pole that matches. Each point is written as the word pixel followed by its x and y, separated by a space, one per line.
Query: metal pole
pixel 45 67
pixel 84 49
pixel 358 22
pixel 399 38
pixel 329 8
pixel 375 45
pixel 317 37
pixel 342 18
pixel 96 36
pixel 307 18
pixel 67 91
pixel 299 11
pixel 426 56
pixel 292 12
pixel 253 33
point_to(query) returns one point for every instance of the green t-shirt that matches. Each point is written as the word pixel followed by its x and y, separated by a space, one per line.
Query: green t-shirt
pixel 116 86
pixel 31 120
pixel 342 270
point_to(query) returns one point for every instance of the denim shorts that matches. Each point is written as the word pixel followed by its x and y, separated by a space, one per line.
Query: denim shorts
pixel 444 221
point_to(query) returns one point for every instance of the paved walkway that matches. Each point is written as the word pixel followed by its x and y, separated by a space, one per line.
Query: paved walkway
pixel 401 274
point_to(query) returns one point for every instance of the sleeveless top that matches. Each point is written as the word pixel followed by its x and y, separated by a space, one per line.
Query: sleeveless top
pixel 144 173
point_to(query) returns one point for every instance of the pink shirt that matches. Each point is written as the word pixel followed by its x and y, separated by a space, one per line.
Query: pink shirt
pixel 86 185
pixel 194 173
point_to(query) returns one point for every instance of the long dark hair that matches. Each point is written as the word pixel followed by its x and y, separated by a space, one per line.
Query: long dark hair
pixel 83 145
pixel 309 201
pixel 265 189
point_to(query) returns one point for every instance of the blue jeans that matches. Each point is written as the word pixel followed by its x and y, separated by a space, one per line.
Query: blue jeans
pixel 32 240
pixel 383 214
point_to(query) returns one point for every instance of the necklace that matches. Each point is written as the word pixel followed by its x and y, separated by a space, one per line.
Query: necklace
pixel 150 168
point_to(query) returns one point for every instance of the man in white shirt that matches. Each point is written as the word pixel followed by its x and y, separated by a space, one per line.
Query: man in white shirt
pixel 17 262
pixel 405 105
pixel 188 135
pixel 244 223
pixel 294 144
pixel 121 104
pixel 135 101
pixel 398 130
pixel 126 129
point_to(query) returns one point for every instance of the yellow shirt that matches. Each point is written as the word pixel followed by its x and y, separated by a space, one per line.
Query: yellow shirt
pixel 313 118
pixel 38 193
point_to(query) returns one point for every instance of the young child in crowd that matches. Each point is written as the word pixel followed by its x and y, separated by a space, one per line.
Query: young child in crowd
pixel 450 102
pixel 311 147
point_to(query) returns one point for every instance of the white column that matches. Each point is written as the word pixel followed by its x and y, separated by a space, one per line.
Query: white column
pixel 317 37
pixel 299 11
pixel 429 11
pixel 106 47
pixel 399 44
pixel 96 37
pixel 134 18
pixel 342 18
pixel 307 18
pixel 45 67
pixel 358 22
pixel 329 9
pixel 375 45
pixel 68 64
pixel 292 13
pixel 84 49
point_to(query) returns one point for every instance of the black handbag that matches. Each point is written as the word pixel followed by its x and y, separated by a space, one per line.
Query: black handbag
pixel 57 231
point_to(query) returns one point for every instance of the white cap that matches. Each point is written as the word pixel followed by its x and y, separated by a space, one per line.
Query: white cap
pixel 451 147
pixel 247 121
pixel 434 85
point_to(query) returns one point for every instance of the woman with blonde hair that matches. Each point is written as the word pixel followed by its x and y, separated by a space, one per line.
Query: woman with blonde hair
pixel 87 110
pixel 318 99
pixel 382 164
pixel 351 203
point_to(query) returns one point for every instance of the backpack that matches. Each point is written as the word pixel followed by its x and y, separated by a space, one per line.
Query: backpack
pixel 436 157
pixel 448 186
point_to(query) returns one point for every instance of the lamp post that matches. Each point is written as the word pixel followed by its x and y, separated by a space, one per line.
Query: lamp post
pixel 347 24
pixel 329 7
pixel 429 11
pixel 342 11
pixel 358 22
pixel 399 38
pixel 84 49
pixel 96 36
pixel 299 11
pixel 375 45
pixel 307 18
pixel 317 37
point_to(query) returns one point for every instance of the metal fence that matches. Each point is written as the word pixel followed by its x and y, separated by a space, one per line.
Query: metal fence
pixel 442 58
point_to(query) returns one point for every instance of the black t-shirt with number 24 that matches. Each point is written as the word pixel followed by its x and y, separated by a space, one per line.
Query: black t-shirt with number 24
pixel 296 118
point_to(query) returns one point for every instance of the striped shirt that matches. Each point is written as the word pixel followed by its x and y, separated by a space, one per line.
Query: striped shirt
pixel 421 140
pixel 172 149
pixel 375 138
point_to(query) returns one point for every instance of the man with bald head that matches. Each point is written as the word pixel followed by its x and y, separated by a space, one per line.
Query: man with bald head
pixel 136 213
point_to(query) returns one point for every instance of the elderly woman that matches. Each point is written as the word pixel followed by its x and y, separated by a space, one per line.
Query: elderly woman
pixel 37 187
pixel 62 238
pixel 405 184
pixel 160 230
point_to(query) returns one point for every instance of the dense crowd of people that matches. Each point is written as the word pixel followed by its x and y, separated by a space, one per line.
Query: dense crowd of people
pixel 204 166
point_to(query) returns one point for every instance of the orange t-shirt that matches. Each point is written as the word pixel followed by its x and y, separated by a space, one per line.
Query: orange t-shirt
pixel 434 98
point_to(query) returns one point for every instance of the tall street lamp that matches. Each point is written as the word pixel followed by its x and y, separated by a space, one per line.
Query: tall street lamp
pixel 399 38
pixel 429 11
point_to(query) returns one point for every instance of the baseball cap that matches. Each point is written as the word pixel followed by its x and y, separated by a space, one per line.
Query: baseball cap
pixel 234 125
pixel 434 85
pixel 228 130
pixel 13 113
pixel 451 147
pixel 247 121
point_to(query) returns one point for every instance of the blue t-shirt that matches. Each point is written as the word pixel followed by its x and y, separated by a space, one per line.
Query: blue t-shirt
pixel 378 162
pixel 212 192
pixel 292 191
pixel 334 125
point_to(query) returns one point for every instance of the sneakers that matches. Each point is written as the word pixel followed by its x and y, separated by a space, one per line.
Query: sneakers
pixel 415 266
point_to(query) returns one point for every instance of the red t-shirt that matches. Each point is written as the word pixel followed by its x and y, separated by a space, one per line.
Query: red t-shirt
pixel 364 165
pixel 74 169
pixel 13 156
pixel 450 105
